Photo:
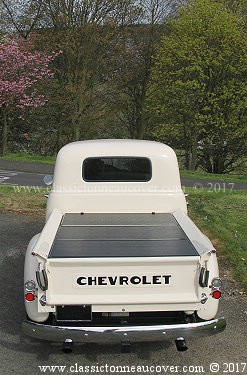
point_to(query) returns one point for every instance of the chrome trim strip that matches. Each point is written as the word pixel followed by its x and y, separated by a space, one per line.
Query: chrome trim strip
pixel 117 334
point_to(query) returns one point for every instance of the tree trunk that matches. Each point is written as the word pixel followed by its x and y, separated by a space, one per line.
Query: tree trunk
pixel 187 156
pixel 218 165
pixel 77 132
pixel 207 163
pixel 191 155
pixel 59 138
pixel 139 128
pixel 4 132
pixel 76 129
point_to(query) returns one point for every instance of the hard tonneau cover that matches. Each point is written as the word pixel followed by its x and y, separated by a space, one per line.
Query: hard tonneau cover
pixel 120 235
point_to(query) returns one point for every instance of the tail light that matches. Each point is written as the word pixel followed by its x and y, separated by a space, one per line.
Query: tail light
pixel 30 288
pixel 216 294
pixel 30 297
pixel 216 285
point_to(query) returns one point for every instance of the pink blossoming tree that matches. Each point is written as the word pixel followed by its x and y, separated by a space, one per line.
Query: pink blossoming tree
pixel 21 68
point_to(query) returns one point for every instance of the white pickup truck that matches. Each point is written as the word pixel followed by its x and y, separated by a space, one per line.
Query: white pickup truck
pixel 118 259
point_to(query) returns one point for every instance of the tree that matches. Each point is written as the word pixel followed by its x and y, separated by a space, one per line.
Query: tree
pixel 85 32
pixel 22 15
pixel 21 68
pixel 103 74
pixel 199 89
pixel 107 54
pixel 136 47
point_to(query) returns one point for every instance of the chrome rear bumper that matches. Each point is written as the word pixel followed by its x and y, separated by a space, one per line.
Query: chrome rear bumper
pixel 119 334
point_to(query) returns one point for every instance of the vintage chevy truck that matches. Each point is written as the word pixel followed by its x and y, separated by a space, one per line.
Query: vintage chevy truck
pixel 118 259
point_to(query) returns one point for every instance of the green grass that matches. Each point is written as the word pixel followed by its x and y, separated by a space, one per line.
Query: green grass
pixel 223 217
pixel 211 176
pixel 29 158
pixel 26 200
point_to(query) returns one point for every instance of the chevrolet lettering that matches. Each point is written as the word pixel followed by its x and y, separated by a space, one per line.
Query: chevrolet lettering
pixel 124 280
pixel 119 259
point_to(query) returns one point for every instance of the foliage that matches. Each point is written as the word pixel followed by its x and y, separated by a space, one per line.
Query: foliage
pixel 101 78
pixel 132 62
pixel 199 89
pixel 22 68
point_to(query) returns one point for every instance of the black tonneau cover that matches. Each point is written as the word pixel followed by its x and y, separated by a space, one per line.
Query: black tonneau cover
pixel 120 235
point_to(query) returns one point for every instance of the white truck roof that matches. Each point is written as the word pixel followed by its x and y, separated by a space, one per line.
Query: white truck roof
pixel 117 147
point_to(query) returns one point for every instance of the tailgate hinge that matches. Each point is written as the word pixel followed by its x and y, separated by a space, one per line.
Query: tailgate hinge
pixel 42 281
pixel 204 277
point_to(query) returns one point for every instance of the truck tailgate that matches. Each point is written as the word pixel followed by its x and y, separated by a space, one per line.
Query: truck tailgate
pixel 116 259
pixel 120 282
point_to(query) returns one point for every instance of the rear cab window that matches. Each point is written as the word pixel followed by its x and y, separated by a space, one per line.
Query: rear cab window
pixel 117 169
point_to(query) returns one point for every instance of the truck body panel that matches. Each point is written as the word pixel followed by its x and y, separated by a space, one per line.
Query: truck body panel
pixel 119 250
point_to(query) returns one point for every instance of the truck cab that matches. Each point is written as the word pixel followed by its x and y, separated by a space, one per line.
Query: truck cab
pixel 119 260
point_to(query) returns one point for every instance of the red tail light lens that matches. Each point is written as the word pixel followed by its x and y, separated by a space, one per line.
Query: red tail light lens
pixel 216 294
pixel 29 297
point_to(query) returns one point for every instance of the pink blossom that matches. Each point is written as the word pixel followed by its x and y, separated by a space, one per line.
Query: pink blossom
pixel 21 68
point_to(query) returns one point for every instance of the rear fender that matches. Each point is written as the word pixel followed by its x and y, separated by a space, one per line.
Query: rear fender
pixel 211 306
pixel 30 267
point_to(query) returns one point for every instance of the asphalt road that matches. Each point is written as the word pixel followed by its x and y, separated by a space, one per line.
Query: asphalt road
pixel 17 178
pixel 21 355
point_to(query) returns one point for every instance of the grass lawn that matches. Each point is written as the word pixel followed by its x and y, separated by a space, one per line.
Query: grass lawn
pixel 26 201
pixel 29 158
pixel 221 216
pixel 211 176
